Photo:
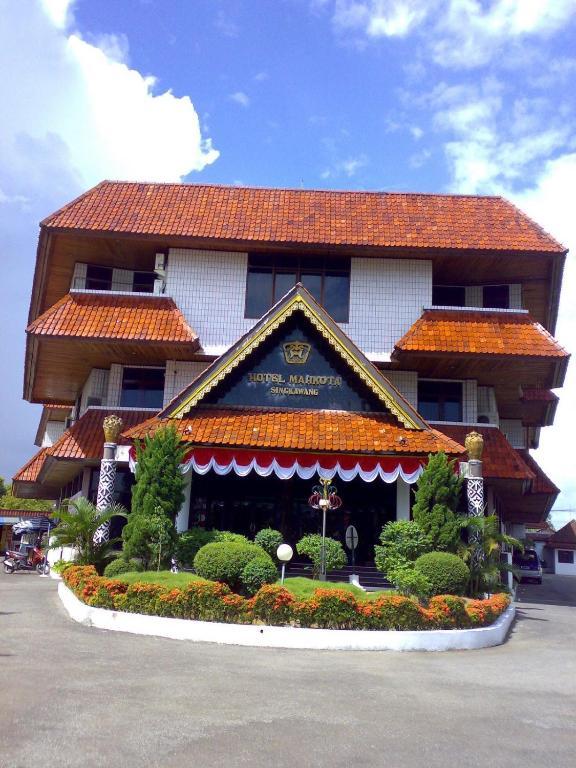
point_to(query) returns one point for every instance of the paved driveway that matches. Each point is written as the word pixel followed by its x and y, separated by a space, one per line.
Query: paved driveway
pixel 73 696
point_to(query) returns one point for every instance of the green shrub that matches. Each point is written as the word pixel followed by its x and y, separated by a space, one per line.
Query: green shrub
pixel 121 565
pixel 190 542
pixel 150 537
pixel 311 546
pixel 269 539
pixel 448 574
pixel 256 573
pixel 402 542
pixel 233 538
pixel 224 561
pixel 61 565
pixel 408 581
pixel 436 501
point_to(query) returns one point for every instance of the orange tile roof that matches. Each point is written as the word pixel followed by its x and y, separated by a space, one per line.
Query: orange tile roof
pixel 376 219
pixel 565 537
pixel 538 396
pixel 499 459
pixel 85 438
pixel 125 318
pixel 28 513
pixel 339 431
pixel 30 471
pixel 481 333
pixel 541 483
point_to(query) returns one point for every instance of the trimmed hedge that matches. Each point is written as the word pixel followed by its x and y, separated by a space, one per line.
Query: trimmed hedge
pixel 259 571
pixel 273 604
pixel 447 574
pixel 191 541
pixel 269 539
pixel 225 561
pixel 120 565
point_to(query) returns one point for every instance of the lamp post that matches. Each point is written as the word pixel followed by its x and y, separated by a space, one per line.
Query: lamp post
pixel 284 554
pixel 324 497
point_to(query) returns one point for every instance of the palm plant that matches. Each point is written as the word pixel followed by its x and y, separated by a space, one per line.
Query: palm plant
pixel 79 521
pixel 482 553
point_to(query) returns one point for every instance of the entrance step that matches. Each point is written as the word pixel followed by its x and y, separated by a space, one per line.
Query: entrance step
pixel 368 575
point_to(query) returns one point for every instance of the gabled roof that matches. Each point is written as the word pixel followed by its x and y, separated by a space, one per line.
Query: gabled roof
pixel 263 215
pixel 298 299
pixel 30 471
pixel 541 483
pixel 565 537
pixel 111 316
pixel 499 459
pixel 309 430
pixel 480 333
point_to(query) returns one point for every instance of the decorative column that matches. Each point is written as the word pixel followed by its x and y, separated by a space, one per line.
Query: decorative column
pixel 474 445
pixel 112 426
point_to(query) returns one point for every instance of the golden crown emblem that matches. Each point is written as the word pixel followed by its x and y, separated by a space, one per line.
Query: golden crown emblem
pixel 296 352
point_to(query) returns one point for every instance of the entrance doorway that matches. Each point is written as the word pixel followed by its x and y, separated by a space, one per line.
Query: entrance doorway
pixel 248 504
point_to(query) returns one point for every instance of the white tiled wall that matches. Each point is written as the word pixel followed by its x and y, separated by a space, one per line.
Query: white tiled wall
pixel 514 432
pixel 178 375
pixel 54 430
pixel 209 287
pixel 406 382
pixel 114 385
pixel 469 401
pixel 487 406
pixel 96 387
pixel 386 297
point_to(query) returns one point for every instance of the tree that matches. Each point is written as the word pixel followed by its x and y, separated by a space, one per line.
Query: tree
pixel 79 522
pixel 8 501
pixel 311 546
pixel 3 487
pixel 149 537
pixel 482 553
pixel 159 482
pixel 437 497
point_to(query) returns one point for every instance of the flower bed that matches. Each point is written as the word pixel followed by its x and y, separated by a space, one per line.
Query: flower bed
pixel 274 605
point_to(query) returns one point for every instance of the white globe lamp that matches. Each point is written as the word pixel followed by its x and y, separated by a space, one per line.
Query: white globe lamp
pixel 284 554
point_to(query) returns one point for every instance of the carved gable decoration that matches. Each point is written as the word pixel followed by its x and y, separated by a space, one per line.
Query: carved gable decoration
pixel 296 356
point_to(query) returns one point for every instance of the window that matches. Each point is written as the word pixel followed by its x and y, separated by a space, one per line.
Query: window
pixel 271 276
pixel 143 282
pixel 440 400
pixel 566 556
pixel 496 296
pixel 98 278
pixel 448 296
pixel 142 388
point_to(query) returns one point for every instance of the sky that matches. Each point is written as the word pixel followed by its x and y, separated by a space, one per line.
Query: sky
pixel 465 96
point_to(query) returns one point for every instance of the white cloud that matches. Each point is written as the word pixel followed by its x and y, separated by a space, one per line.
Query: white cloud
pixel 73 113
pixel 240 98
pixel 348 167
pixel 459 33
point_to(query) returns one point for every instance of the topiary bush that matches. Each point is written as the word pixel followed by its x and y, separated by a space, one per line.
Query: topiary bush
pixel 256 573
pixel 236 538
pixel 311 546
pixel 224 561
pixel 402 542
pixel 190 542
pixel 269 539
pixel 447 574
pixel 121 565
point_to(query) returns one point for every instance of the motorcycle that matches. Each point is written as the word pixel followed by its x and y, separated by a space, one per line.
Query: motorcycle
pixel 33 560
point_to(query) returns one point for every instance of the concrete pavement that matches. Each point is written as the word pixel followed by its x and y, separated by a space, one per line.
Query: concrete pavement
pixel 74 696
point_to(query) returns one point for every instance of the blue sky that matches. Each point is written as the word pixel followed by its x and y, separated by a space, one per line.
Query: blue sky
pixel 473 96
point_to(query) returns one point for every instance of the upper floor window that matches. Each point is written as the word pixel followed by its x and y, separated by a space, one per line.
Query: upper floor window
pixel 143 282
pixel 449 296
pixel 272 276
pixel 142 388
pixel 98 278
pixel 496 296
pixel 440 400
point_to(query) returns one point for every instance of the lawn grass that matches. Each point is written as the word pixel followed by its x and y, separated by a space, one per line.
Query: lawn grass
pixel 302 587
pixel 166 578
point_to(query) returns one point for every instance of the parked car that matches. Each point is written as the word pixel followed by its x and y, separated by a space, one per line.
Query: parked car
pixel 528 566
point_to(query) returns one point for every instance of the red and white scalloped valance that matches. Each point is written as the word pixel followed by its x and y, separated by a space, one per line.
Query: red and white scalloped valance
pixel 306 466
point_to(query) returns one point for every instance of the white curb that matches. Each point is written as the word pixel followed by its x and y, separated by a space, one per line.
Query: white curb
pixel 287 637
